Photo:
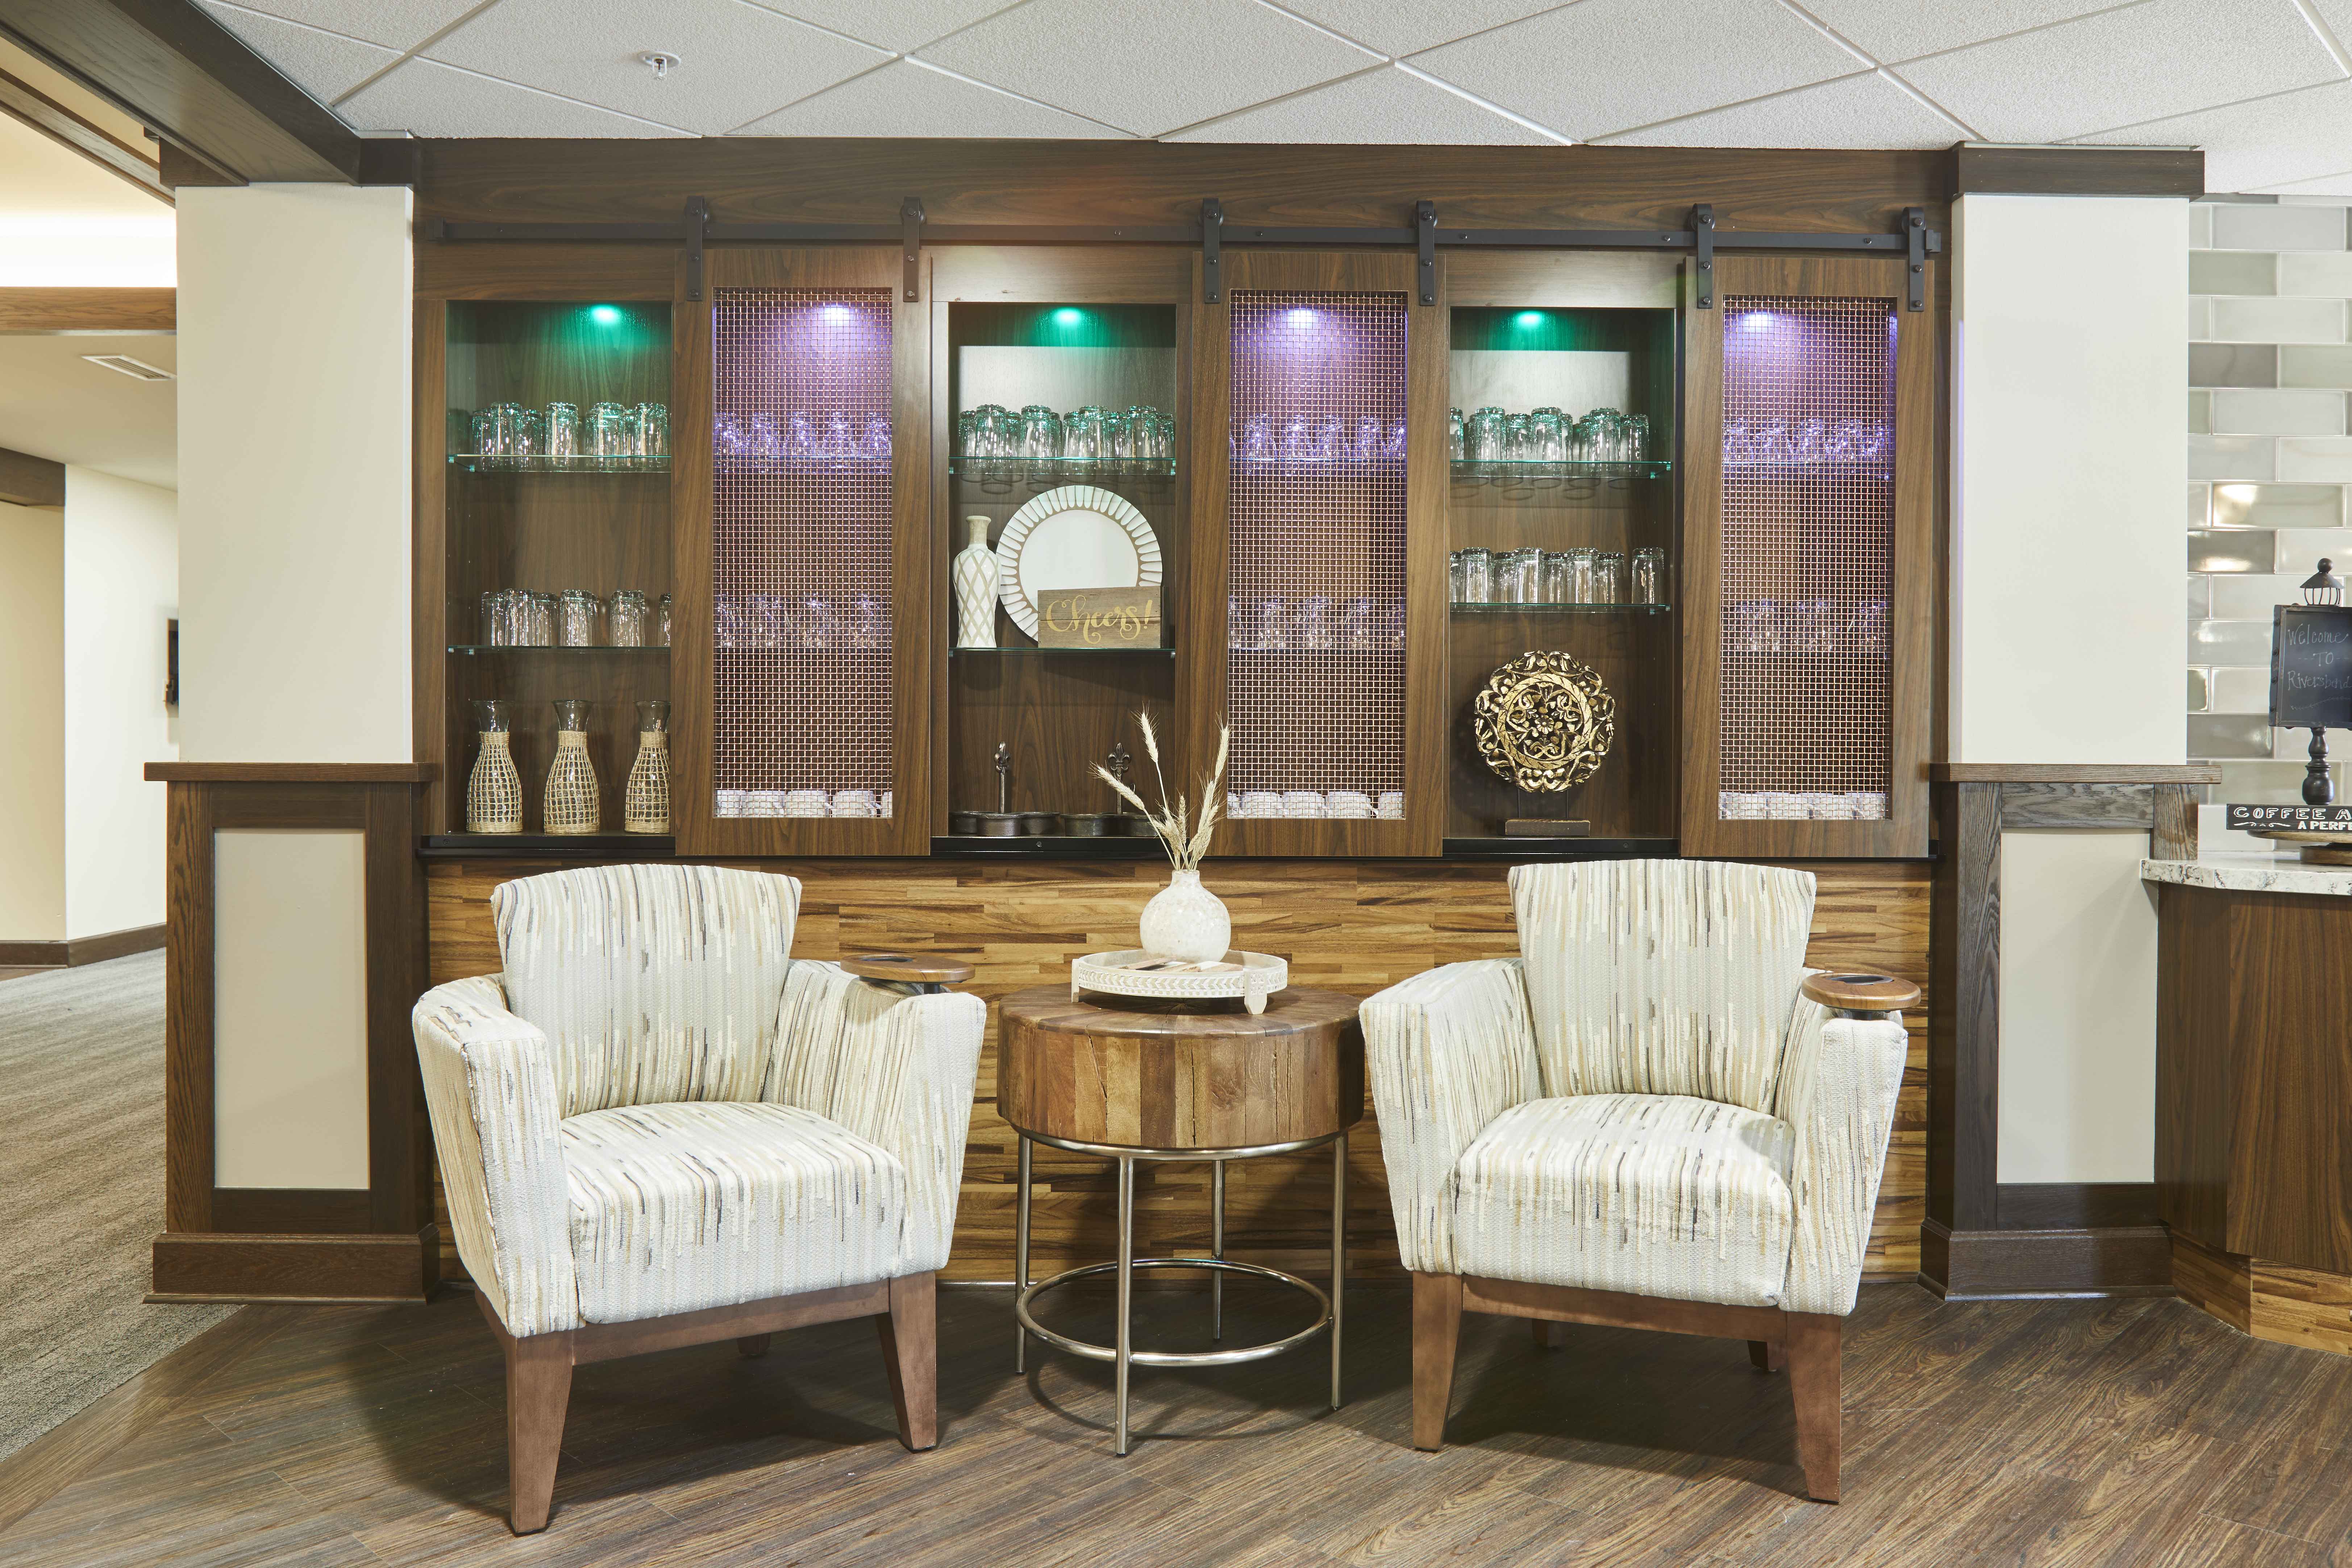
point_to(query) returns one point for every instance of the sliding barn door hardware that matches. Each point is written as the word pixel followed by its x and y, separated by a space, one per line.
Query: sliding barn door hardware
pixel 1913 241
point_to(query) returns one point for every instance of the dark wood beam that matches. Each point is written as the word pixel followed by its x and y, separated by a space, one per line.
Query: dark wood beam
pixel 30 481
pixel 20 99
pixel 26 310
pixel 2077 171
pixel 190 81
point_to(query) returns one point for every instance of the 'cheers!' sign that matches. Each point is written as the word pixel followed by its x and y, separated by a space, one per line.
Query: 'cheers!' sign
pixel 1098 618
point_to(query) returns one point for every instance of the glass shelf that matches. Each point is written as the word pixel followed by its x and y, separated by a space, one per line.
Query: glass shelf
pixel 1052 468
pixel 1844 467
pixel 474 462
pixel 1483 471
pixel 1081 652
pixel 548 648
pixel 1464 608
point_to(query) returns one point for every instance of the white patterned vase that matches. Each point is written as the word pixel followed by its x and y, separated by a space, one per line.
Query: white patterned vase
pixel 974 574
pixel 1185 920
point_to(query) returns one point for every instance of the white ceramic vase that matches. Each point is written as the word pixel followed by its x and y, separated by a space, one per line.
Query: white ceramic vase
pixel 1185 920
pixel 974 574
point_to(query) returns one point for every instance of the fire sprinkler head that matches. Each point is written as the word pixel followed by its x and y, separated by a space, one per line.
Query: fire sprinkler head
pixel 658 61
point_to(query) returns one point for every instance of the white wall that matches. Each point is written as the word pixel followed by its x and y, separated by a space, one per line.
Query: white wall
pixel 2069 398
pixel 122 584
pixel 2077 1009
pixel 295 346
pixel 32 724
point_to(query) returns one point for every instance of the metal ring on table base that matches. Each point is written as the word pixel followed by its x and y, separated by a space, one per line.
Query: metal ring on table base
pixel 1228 1357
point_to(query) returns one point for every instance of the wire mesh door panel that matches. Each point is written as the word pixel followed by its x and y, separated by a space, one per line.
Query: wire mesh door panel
pixel 1316 560
pixel 1808 549
pixel 804 625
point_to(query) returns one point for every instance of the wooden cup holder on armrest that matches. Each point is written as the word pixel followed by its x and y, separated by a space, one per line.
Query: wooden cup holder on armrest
pixel 925 974
pixel 1861 996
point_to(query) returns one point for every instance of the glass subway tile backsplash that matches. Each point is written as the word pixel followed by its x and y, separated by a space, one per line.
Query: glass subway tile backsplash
pixel 2270 460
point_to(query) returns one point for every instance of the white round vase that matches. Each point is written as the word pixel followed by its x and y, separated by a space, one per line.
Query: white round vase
pixel 1185 920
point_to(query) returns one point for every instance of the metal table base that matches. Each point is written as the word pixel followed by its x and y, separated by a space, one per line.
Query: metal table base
pixel 1123 1354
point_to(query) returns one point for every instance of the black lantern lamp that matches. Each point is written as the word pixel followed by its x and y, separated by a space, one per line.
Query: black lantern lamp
pixel 2322 589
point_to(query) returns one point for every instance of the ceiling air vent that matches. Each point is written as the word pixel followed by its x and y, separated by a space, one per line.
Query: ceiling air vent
pixel 137 370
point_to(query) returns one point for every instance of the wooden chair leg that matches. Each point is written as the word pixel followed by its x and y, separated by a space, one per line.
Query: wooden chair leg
pixel 1813 1347
pixel 1766 1357
pixel 539 1390
pixel 1550 1335
pixel 751 1347
pixel 910 1347
pixel 1436 1332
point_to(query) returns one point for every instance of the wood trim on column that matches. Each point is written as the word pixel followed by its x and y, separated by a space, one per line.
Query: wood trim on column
pixel 30 481
pixel 2077 171
pixel 372 1243
pixel 1963 1042
pixel 128 311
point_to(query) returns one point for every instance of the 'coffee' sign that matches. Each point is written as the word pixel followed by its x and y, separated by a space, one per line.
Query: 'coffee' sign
pixel 1098 618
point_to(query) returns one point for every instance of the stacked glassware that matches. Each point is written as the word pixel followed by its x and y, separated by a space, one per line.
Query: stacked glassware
pixel 799 436
pixel 559 438
pixel 1299 441
pixel 1495 443
pixel 994 440
pixel 1539 578
pixel 1805 443
pixel 518 618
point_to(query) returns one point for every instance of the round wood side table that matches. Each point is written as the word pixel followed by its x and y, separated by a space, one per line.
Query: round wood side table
pixel 1174 1082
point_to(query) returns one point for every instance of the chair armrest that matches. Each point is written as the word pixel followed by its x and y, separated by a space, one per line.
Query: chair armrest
pixel 896 1068
pixel 1838 1093
pixel 489 1086
pixel 1447 1051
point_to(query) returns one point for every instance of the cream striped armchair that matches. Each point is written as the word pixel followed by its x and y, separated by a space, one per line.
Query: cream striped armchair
pixel 656 1128
pixel 1640 1120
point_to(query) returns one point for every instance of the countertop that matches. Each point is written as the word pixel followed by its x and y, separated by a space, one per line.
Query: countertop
pixel 2251 873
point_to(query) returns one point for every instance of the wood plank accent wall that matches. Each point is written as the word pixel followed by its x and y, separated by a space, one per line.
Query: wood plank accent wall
pixel 1353 926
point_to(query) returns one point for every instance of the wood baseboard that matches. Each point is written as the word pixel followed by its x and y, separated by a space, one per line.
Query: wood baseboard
pixel 216 1267
pixel 1991 1265
pixel 2275 1302
pixel 81 950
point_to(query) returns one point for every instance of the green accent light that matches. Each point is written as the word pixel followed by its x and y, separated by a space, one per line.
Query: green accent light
pixel 1528 318
pixel 605 314
pixel 1068 315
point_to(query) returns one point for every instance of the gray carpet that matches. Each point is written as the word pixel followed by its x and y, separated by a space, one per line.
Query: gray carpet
pixel 81 1162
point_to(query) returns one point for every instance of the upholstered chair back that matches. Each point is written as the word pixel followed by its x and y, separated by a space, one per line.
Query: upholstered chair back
pixel 1662 977
pixel 652 983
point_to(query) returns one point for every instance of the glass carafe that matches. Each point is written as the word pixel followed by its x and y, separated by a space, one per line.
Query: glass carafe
pixel 645 804
pixel 494 791
pixel 572 803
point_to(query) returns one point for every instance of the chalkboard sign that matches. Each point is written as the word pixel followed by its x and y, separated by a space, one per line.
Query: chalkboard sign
pixel 2311 667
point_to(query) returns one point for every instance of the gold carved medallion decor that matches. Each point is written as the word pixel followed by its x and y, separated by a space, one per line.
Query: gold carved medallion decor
pixel 1545 721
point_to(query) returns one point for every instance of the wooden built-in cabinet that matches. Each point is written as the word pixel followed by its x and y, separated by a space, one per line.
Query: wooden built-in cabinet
pixel 1773 701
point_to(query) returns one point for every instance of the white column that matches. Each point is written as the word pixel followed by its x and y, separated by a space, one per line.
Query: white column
pixel 2069 363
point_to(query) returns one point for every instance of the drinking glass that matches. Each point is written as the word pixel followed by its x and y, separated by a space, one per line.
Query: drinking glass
pixel 1457 579
pixel 579 613
pixel 538 626
pixel 1116 440
pixel 1482 439
pixel 797 439
pixel 651 432
pixel 1547 436
pixel 1256 442
pixel 1085 436
pixel 605 438
pixel 964 424
pixel 1272 636
pixel 1297 440
pixel 625 618
pixel 1583 574
pixel 530 444
pixel 767 442
pixel 1810 441
pixel 1557 578
pixel 1521 577
pixel 1369 437
pixel 1330 442
pixel 817 626
pixel 489 439
pixel 1312 630
pixel 1392 442
pixel 1608 577
pixel 1478 577
pixel 1139 436
pixel 867 632
pixel 873 440
pixel 1517 438
pixel 836 434
pixel 1637 438
pixel 1456 436
pixel 727 621
pixel 661 622
pixel 1649 577
pixel 495 631
pixel 1236 623
pixel 1040 434
pixel 563 434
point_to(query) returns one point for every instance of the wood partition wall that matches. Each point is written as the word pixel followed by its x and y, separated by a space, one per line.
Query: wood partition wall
pixel 1345 925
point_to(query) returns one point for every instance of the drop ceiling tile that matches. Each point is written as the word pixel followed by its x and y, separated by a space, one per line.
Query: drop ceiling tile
pixel 1147 67
pixel 1397 29
pixel 899 25
pixel 1865 110
pixel 428 99
pixel 2259 145
pixel 395 24
pixel 737 62
pixel 1603 66
pixel 904 99
pixel 2325 185
pixel 324 65
pixel 1904 30
pixel 1388 106
pixel 2125 68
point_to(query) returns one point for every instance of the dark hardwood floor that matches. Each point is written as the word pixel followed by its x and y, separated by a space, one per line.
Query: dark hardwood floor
pixel 2123 1432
